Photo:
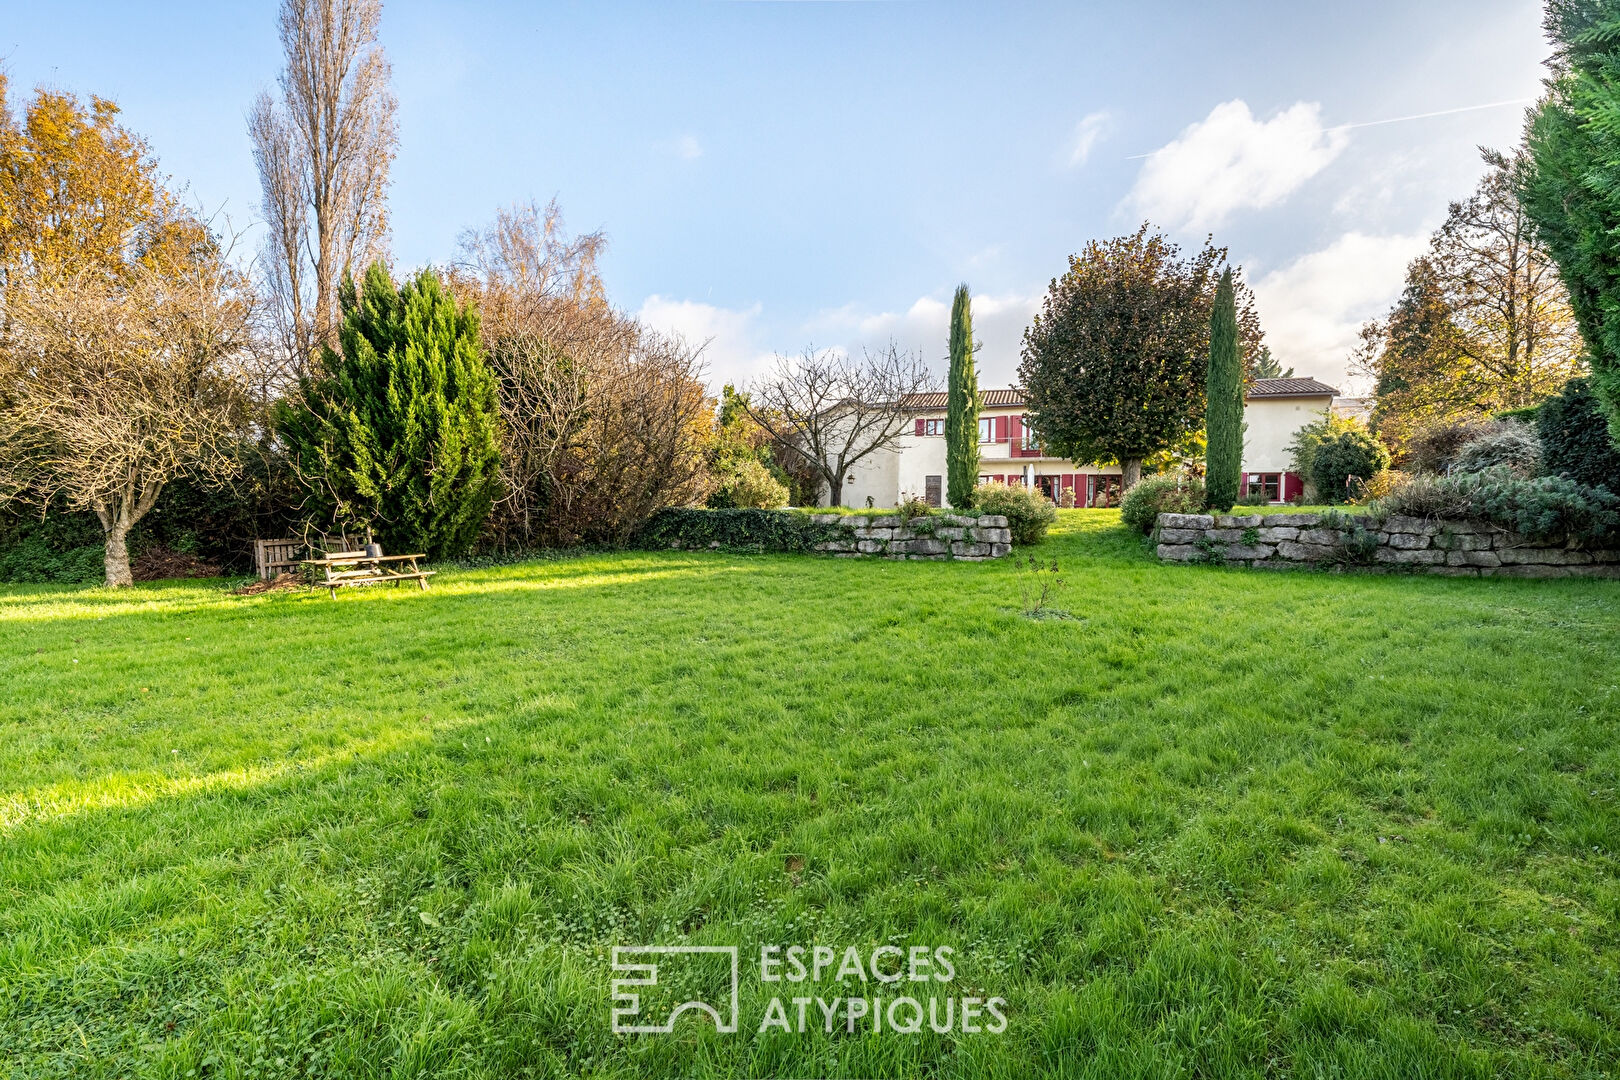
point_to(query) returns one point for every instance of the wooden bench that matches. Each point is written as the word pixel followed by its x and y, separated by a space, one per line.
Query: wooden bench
pixel 346 568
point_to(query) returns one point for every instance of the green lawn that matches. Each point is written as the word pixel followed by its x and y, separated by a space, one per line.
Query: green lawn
pixel 1217 823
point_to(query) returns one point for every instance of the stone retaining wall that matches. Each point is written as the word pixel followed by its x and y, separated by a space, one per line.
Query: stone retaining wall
pixel 938 537
pixel 1452 548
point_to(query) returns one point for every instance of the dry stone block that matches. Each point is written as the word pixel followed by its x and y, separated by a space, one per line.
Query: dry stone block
pixel 993 521
pixel 1239 521
pixel 1327 537
pixel 1296 521
pixel 1178 552
pixel 1527 571
pixel 928 545
pixel 1405 557
pixel 1543 556
pixel 1409 541
pixel 1273 533
pixel 992 536
pixel 870 547
pixel 965 547
pixel 1456 541
pixel 998 550
pixel 1400 523
pixel 1246 552
pixel 958 520
pixel 824 519
pixel 1455 571
pixel 1180 536
pixel 1472 558
pixel 950 532
pixel 891 522
pixel 1288 549
pixel 874 534
pixel 1185 521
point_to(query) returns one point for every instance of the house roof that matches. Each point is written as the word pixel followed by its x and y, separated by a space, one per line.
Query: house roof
pixel 989 399
pixel 1266 388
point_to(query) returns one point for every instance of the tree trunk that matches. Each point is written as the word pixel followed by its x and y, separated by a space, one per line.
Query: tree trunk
pixel 835 488
pixel 1130 472
pixel 117 559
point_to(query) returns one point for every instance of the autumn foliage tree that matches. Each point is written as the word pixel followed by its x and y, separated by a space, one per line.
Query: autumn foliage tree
pixel 1113 365
pixel 126 343
pixel 1484 323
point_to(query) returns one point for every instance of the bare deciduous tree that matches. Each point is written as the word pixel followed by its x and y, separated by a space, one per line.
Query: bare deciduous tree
pixel 836 411
pixel 115 389
pixel 604 421
pixel 323 152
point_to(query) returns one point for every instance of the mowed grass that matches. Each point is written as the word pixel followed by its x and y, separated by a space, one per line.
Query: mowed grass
pixel 1219 823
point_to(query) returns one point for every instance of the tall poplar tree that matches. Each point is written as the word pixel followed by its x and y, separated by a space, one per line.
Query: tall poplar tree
pixel 1223 416
pixel 961 407
pixel 398 435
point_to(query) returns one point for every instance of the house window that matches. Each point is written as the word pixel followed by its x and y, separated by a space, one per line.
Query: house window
pixel 933 427
pixel 1268 484
pixel 987 429
pixel 933 490
pixel 1030 441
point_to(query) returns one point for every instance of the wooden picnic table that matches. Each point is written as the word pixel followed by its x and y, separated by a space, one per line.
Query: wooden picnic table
pixel 344 568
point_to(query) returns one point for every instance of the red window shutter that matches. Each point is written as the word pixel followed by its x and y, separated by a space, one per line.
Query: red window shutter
pixel 1015 435
pixel 919 425
pixel 1243 484
pixel 1001 429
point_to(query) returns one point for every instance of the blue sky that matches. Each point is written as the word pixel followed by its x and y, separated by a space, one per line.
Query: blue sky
pixel 777 174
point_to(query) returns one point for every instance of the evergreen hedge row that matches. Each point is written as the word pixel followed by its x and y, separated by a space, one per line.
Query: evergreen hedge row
pixel 737 530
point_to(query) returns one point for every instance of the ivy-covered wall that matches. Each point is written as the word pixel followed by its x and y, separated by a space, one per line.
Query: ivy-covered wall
pixel 937 536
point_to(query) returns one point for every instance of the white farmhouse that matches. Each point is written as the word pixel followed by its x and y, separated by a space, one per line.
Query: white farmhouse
pixel 1274 410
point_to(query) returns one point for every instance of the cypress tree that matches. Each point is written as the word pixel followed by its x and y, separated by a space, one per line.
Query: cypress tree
pixel 961 407
pixel 398 435
pixel 1223 454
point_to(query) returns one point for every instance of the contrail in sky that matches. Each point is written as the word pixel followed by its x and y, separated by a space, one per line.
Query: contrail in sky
pixel 1394 119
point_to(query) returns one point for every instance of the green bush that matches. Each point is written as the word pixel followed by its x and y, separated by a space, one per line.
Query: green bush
pixel 1543 508
pixel 60 549
pixel 749 485
pixel 736 530
pixel 1027 511
pixel 1344 458
pixel 1166 493
pixel 1514 446
pixel 1434 446
pixel 1575 439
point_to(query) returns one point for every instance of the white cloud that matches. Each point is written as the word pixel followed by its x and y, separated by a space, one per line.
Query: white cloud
pixel 924 327
pixel 732 353
pixel 688 147
pixel 1312 307
pixel 1091 129
pixel 1231 161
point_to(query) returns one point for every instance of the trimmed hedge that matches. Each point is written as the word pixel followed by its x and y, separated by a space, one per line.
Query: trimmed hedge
pixel 736 530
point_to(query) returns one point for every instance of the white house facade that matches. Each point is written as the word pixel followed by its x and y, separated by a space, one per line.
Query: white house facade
pixel 1008 452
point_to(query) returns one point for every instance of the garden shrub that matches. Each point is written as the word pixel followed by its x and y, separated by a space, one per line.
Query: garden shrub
pixel 1342 459
pixel 1027 511
pixel 1575 438
pixel 1253 498
pixel 750 486
pixel 1434 446
pixel 1543 508
pixel 737 529
pixel 1378 486
pixel 1514 445
pixel 61 549
pixel 915 507
pixel 1166 493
